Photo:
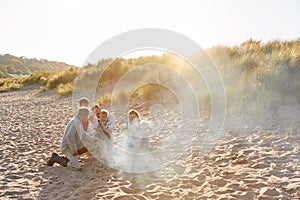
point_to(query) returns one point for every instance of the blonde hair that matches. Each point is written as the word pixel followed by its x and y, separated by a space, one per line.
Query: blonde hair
pixel 83 100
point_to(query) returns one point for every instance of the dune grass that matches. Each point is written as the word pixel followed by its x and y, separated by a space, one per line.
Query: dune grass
pixel 61 80
pixel 251 71
pixel 11 84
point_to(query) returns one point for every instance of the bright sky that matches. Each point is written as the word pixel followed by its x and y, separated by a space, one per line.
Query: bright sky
pixel 69 30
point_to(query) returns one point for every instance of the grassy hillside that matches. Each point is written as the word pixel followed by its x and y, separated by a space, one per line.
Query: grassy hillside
pixel 252 72
pixel 259 77
pixel 62 80
pixel 10 64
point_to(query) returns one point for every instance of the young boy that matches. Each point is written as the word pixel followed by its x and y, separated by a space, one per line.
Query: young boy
pixel 105 119
pixel 106 125
pixel 72 141
pixel 83 102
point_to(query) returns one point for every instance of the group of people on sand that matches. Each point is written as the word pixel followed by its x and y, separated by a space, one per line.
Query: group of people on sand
pixel 79 128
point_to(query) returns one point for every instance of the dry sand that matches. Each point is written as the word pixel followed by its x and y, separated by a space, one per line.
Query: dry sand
pixel 253 163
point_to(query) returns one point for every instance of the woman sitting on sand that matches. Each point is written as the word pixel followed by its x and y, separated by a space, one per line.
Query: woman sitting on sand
pixel 137 155
pixel 136 132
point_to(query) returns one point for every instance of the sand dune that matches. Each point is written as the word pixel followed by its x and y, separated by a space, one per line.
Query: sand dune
pixel 255 163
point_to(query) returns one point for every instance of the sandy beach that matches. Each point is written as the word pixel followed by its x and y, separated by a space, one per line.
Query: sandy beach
pixel 254 162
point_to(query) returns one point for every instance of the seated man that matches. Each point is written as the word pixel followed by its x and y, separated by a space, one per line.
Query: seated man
pixel 72 141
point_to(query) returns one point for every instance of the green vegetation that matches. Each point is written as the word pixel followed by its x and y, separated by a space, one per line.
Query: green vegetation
pixel 12 65
pixel 252 72
pixel 62 80
pixel 106 98
pixel 11 84
pixel 259 77
pixel 65 89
